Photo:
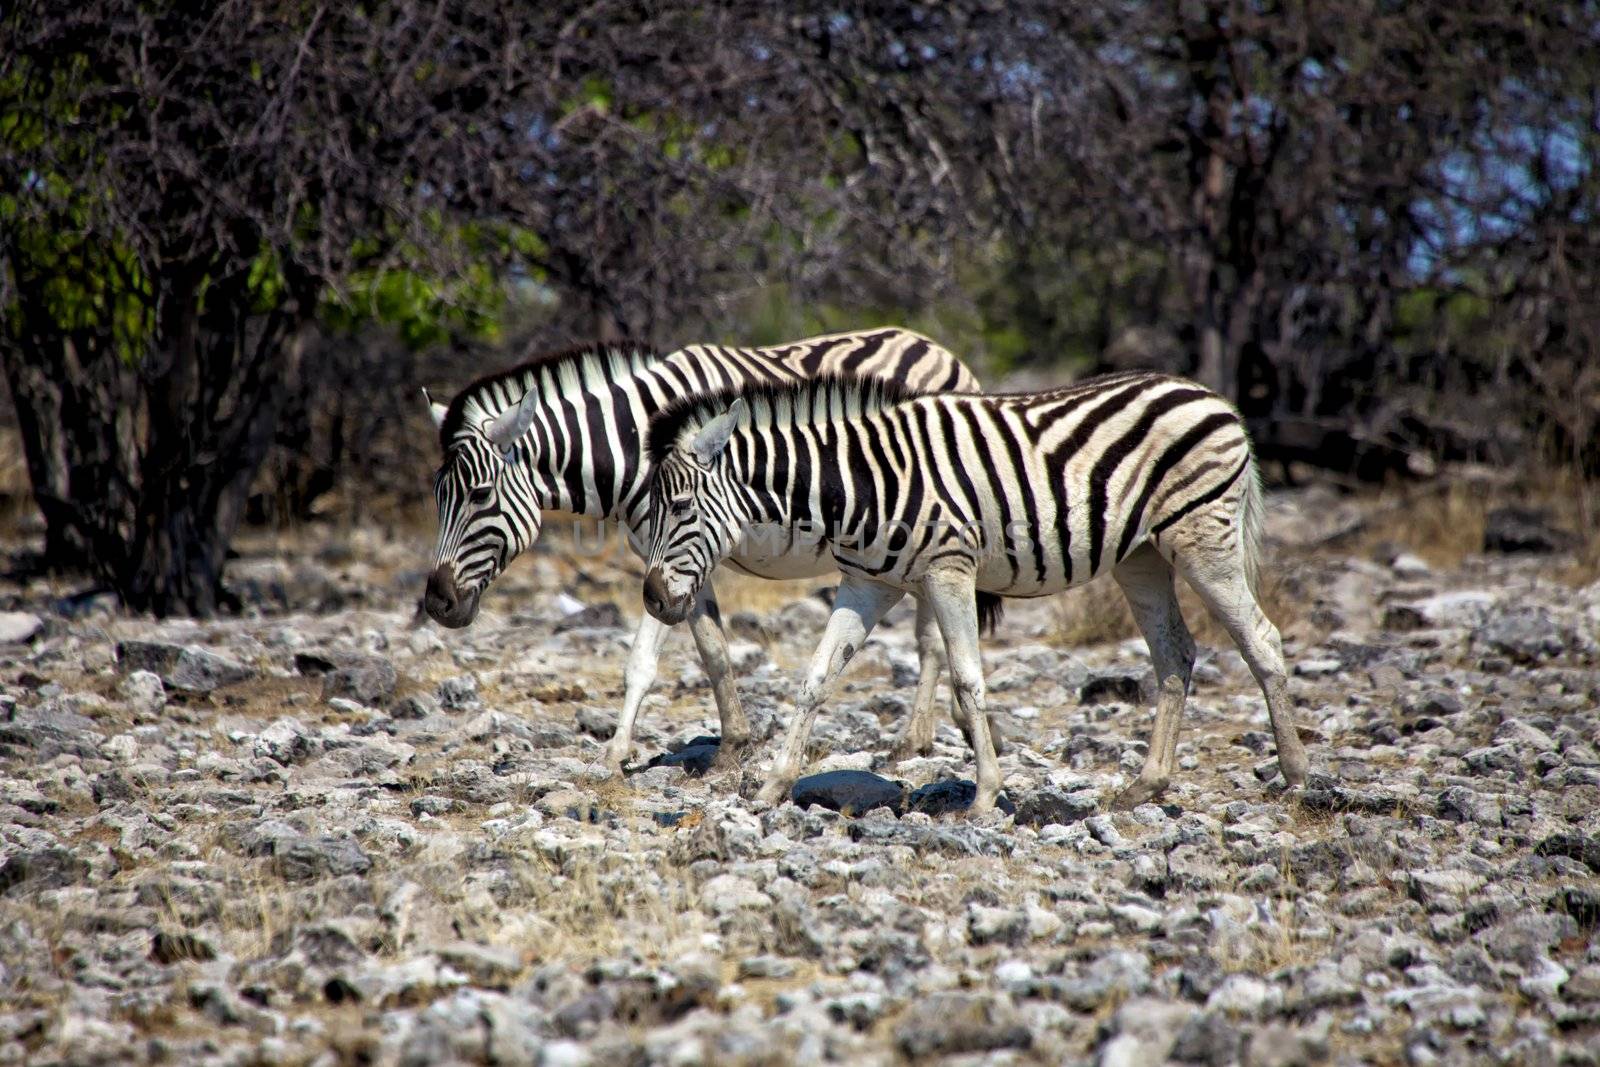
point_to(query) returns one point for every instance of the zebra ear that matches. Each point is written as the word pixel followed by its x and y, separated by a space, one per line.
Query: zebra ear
pixel 435 408
pixel 504 429
pixel 712 438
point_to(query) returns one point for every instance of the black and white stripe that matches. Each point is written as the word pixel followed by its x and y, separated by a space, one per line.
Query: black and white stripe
pixel 1022 495
pixel 565 433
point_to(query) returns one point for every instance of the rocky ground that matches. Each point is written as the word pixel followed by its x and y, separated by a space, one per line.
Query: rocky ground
pixel 326 833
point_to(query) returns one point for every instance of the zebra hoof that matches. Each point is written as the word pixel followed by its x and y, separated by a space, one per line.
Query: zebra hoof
pixel 730 755
pixel 909 750
pixel 1140 792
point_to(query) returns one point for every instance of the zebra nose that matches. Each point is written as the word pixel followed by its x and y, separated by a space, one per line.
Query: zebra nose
pixel 655 592
pixel 441 599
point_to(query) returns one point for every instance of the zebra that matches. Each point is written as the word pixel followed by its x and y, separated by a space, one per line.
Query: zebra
pixel 565 432
pixel 1022 494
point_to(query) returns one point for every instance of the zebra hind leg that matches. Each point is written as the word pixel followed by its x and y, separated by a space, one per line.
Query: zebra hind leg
pixel 917 737
pixel 705 624
pixel 1210 554
pixel 1146 581
pixel 857 607
pixel 951 595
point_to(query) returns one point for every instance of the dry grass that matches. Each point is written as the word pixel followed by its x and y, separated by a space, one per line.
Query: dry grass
pixel 1443 521
pixel 1093 614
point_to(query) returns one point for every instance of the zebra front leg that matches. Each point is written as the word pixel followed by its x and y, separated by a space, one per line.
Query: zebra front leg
pixel 917 737
pixel 705 624
pixel 857 607
pixel 1146 580
pixel 637 678
pixel 952 599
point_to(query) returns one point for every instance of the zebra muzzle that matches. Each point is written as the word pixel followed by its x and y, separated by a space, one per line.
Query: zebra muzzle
pixel 662 604
pixel 444 601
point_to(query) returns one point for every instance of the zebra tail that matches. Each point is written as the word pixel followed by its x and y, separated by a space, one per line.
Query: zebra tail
pixel 990 608
pixel 1252 525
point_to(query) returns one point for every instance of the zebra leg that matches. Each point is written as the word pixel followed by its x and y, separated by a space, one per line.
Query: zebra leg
pixel 1146 580
pixel 637 678
pixel 951 596
pixel 917 738
pixel 705 624
pixel 1217 572
pixel 857 607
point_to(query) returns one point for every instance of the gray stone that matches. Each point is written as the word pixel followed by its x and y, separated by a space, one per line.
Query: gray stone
pixel 597 722
pixel 187 667
pixel 368 680
pixel 1119 685
pixel 459 692
pixel 46 868
pixel 953 1024
pixel 1050 806
pixel 304 859
pixel 1461 804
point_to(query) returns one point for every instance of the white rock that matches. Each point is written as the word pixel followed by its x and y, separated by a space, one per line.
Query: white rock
pixel 19 626
pixel 122 748
pixel 1546 979
pixel 144 692
pixel 1409 566
pixel 727 893
pixel 1243 995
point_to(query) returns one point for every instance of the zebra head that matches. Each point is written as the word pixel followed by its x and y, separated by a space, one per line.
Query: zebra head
pixel 485 514
pixel 695 517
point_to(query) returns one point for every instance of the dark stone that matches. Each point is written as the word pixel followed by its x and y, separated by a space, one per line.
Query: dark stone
pixel 1323 793
pixel 304 859
pixel 46 868
pixel 314 663
pixel 1514 529
pixel 597 722
pixel 38 735
pixel 1200 976
pixel 432 805
pixel 1119 685
pixel 951 795
pixel 594 617
pixel 367 680
pixel 1256 741
pixel 1580 902
pixel 110 787
pixel 415 707
pixel 1049 805
pixel 168 948
pixel 668 818
pixel 848 792
pixel 693 756
pixel 958 839
pixel 1580 847
pixel 186 667
pixel 1208 1039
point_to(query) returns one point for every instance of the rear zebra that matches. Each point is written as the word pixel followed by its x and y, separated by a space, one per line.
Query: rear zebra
pixel 1022 495
pixel 565 432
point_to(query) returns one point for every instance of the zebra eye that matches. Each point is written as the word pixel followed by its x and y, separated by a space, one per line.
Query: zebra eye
pixel 480 496
pixel 682 506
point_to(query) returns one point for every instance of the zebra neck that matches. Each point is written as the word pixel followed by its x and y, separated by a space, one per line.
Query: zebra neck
pixel 797 478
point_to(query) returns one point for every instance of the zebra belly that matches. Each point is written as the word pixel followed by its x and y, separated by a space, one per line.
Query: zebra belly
pixel 778 553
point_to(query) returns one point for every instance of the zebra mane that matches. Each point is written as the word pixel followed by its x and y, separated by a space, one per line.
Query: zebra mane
pixel 809 400
pixel 493 393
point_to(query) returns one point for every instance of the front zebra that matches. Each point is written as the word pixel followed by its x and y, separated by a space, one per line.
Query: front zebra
pixel 1022 494
pixel 565 433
